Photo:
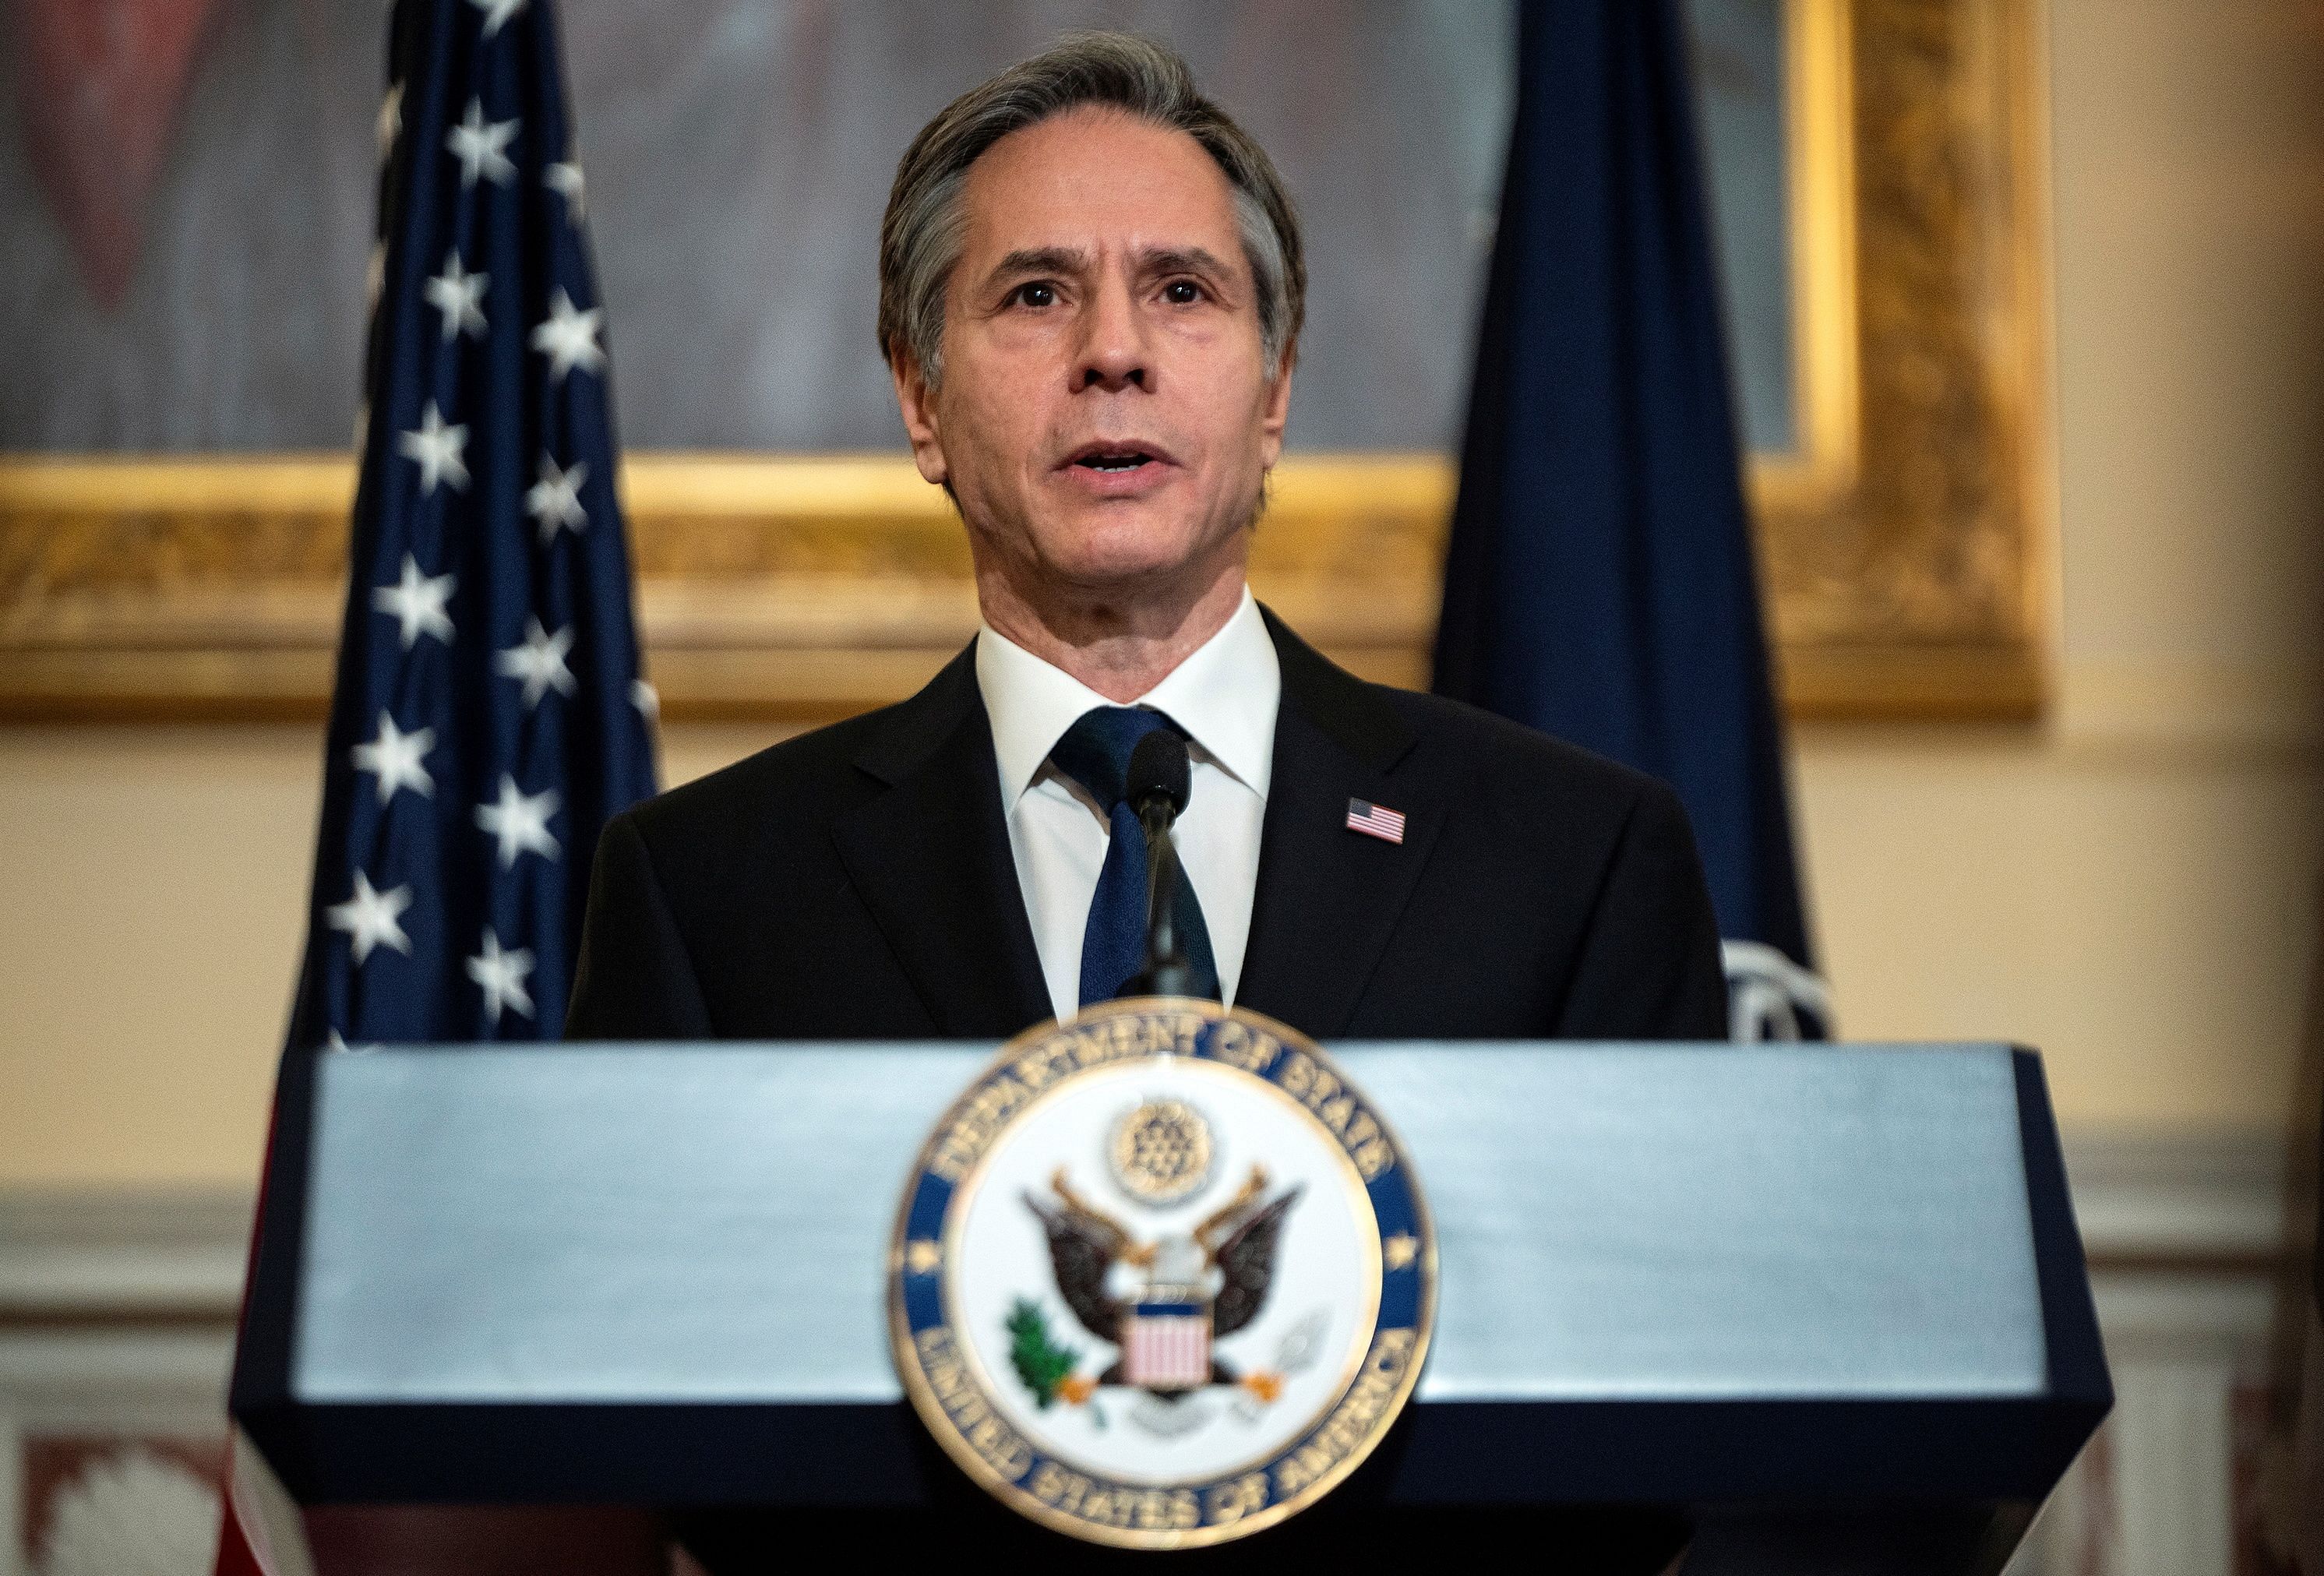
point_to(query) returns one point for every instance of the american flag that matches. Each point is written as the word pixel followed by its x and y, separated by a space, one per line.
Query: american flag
pixel 1166 1345
pixel 489 714
pixel 1375 820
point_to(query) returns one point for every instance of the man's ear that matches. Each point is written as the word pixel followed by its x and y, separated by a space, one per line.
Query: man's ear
pixel 1275 411
pixel 916 400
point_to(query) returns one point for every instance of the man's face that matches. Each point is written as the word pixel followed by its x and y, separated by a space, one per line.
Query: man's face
pixel 1105 416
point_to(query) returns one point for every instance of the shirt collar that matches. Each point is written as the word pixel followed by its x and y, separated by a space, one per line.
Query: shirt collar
pixel 1224 695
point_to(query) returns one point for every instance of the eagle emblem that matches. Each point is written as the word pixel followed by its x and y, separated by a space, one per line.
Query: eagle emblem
pixel 1162 1303
pixel 1093 1303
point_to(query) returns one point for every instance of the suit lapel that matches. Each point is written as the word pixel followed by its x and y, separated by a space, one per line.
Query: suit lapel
pixel 930 858
pixel 1328 898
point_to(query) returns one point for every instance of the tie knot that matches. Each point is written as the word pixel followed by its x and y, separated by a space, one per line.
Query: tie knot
pixel 1095 751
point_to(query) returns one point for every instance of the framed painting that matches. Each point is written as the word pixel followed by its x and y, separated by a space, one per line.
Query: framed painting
pixel 174 482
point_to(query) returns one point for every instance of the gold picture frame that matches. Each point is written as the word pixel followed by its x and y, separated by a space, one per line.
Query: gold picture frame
pixel 1901 544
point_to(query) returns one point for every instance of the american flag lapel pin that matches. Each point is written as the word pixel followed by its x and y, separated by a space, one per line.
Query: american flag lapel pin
pixel 1375 821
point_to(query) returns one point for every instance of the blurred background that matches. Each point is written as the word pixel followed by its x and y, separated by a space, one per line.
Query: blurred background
pixel 2025 328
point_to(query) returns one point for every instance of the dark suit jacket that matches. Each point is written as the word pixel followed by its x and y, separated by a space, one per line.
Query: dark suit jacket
pixel 856 882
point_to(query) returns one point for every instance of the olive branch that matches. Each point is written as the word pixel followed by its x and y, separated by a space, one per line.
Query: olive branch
pixel 1039 1360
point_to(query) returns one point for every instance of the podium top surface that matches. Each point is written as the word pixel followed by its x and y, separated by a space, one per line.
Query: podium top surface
pixel 710 1223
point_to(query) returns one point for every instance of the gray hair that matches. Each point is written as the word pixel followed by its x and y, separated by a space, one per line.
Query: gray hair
pixel 920 238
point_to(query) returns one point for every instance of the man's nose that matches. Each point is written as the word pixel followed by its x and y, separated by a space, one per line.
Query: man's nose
pixel 1113 349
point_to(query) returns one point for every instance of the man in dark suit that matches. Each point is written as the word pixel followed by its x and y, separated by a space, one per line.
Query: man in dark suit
pixel 1091 285
pixel 1091 290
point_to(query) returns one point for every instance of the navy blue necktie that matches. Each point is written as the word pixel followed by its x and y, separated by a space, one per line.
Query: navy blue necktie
pixel 1095 754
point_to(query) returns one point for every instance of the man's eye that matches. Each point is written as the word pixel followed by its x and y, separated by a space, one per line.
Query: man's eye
pixel 1182 292
pixel 1036 294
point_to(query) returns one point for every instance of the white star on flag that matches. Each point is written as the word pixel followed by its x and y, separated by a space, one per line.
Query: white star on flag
pixel 521 822
pixel 481 146
pixel 369 919
pixel 501 975
pixel 540 662
pixel 459 296
pixel 555 500
pixel 646 698
pixel 496 12
pixel 437 450
pixel 569 336
pixel 398 758
pixel 389 125
pixel 566 179
pixel 418 601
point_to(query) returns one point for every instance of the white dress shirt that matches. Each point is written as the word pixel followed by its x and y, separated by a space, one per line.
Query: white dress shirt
pixel 1225 696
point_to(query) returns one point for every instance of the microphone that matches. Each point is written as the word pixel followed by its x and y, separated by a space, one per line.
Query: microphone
pixel 1157 784
pixel 1158 768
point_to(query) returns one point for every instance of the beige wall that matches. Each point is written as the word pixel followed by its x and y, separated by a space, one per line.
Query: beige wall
pixel 2131 886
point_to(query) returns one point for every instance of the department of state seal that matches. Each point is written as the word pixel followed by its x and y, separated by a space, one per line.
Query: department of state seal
pixel 1161 1278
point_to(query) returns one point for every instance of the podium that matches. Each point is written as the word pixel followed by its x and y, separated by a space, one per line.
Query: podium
pixel 1828 1302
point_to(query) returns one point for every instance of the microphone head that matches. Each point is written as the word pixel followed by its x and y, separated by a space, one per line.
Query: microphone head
pixel 1159 766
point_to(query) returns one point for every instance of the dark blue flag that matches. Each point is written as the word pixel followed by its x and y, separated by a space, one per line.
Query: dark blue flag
pixel 489 714
pixel 1599 584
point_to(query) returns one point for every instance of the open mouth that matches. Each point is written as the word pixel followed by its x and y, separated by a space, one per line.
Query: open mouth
pixel 1106 458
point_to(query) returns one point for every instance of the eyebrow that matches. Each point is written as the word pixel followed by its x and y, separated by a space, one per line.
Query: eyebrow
pixel 1041 260
pixel 1184 260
